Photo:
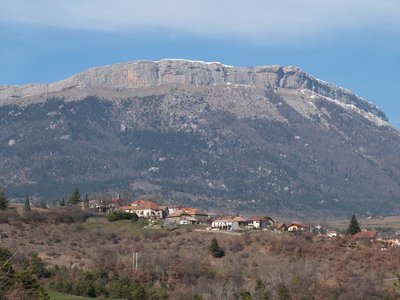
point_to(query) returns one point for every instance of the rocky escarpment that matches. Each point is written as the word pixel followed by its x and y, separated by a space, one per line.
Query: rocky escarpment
pixel 145 74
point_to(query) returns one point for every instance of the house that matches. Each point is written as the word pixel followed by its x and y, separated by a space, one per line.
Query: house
pixel 145 209
pixel 260 222
pixel 199 215
pixel 165 209
pixel 239 223
pixel 293 227
pixel 366 236
pixel 222 223
pixel 174 207
pixel 279 226
pixel 181 217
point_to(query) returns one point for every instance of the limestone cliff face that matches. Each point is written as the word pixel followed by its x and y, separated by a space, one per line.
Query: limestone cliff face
pixel 146 74
pixel 271 139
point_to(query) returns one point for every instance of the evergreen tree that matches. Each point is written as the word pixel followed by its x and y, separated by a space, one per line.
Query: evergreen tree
pixel 215 249
pixel 3 199
pixel 354 227
pixel 27 204
pixel 7 273
pixel 75 197
pixel 62 202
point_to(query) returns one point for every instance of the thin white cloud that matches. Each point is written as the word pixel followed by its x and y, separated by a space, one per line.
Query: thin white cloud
pixel 253 19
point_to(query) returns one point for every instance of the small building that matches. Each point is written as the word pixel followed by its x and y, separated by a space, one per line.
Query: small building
pixel 174 207
pixel 165 209
pixel 279 226
pixel 331 233
pixel 260 222
pixel 198 214
pixel 293 227
pixel 222 223
pixel 181 217
pixel 240 223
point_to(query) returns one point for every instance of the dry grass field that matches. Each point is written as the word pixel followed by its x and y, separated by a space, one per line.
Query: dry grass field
pixel 179 262
pixel 371 223
pixel 58 296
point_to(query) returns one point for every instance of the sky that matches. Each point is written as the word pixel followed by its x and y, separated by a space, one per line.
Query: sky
pixel 354 44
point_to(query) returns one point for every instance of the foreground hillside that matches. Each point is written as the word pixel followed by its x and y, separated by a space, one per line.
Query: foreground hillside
pixel 94 258
pixel 209 135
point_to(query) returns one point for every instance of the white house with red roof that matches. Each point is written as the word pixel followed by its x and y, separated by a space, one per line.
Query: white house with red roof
pixel 145 209
pixel 297 226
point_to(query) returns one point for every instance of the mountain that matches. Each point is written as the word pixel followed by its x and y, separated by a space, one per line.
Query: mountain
pixel 269 139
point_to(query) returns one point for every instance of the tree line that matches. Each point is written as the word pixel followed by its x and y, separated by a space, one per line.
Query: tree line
pixel 74 199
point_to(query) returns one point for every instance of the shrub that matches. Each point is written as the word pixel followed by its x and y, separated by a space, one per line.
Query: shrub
pixel 36 266
pixel 120 215
pixel 245 295
pixel 6 272
pixel 283 292
pixel 8 216
pixel 236 246
pixel 56 215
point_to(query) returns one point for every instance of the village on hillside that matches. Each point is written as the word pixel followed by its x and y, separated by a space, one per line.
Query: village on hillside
pixel 172 215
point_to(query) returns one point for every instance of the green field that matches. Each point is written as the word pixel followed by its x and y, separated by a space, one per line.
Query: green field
pixel 121 225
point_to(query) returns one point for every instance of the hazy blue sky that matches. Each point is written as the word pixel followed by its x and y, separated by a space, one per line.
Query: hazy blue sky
pixel 354 44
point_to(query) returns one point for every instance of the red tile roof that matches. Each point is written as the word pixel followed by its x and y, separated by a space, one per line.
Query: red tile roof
pixel 178 213
pixel 371 234
pixel 239 219
pixel 224 219
pixel 141 201
pixel 195 211
pixel 280 225
pixel 257 218
pixel 145 204
pixel 127 207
